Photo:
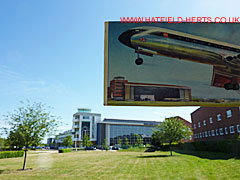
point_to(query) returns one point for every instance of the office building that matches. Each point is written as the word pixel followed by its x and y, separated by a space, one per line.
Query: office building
pixel 112 130
pixel 121 89
pixel 215 123
pixel 85 122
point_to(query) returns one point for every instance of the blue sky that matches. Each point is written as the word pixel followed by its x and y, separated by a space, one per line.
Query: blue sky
pixel 53 52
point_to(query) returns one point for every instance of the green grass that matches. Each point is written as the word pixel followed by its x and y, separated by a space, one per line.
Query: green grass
pixel 133 149
pixel 119 165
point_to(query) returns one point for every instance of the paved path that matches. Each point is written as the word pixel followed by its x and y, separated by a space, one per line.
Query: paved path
pixel 41 152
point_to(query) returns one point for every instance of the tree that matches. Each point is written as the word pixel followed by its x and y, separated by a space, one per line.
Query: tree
pixel 139 142
pixel 105 144
pixel 86 140
pixel 126 143
pixel 120 142
pixel 2 143
pixel 29 124
pixel 170 131
pixel 67 141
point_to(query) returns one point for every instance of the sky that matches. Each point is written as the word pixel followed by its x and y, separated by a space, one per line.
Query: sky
pixel 53 52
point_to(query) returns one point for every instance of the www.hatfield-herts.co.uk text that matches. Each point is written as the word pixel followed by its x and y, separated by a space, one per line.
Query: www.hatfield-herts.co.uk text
pixel 180 19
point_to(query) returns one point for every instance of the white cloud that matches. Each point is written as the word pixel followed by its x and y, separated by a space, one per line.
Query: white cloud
pixel 13 83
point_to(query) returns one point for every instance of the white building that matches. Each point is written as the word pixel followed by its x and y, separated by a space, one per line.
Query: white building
pixel 85 122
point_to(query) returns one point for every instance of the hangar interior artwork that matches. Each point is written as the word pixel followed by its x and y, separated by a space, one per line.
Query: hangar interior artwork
pixel 172 64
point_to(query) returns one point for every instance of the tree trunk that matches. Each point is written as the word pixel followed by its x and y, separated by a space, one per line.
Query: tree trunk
pixel 25 158
pixel 170 147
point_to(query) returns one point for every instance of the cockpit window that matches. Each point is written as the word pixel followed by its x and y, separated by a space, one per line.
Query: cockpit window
pixel 140 30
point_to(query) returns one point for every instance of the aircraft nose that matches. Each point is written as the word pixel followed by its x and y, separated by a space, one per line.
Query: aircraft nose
pixel 125 37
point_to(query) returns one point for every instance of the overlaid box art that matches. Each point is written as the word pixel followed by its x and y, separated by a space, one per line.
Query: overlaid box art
pixel 172 64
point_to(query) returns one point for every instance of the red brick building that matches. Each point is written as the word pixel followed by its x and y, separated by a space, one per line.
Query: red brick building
pixel 211 123
pixel 121 89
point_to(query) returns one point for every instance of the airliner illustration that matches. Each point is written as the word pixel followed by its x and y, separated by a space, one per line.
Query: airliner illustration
pixel 224 57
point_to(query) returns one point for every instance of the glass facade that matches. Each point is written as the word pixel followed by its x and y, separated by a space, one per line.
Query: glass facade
pixel 85 128
pixel 129 131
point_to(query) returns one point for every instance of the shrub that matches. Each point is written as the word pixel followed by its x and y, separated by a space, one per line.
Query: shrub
pixel 64 150
pixel 11 154
pixel 224 146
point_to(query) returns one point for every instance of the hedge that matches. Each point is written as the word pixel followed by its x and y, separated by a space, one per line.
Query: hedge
pixel 11 154
pixel 64 150
pixel 225 146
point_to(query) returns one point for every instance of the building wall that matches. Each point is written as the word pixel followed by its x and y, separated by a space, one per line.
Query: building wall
pixel 115 129
pixel 210 123
pixel 117 88
pixel 121 89
pixel 85 122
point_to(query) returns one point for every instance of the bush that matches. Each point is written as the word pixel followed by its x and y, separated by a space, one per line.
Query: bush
pixel 11 154
pixel 64 150
pixel 223 146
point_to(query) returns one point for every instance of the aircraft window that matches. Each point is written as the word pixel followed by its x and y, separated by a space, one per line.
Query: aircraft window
pixel 196 41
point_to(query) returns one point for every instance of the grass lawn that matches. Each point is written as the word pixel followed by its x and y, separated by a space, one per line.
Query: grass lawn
pixel 119 165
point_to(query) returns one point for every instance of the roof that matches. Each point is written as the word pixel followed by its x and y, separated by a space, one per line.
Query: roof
pixel 157 85
pixel 182 119
pixel 85 113
pixel 132 122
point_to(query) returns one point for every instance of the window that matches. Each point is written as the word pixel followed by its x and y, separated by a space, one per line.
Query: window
pixel 204 122
pixel 213 134
pixel 210 120
pixel 229 113
pixel 85 117
pixel 209 133
pixel 77 117
pixel 206 135
pixel 216 132
pixel 194 126
pixel 203 134
pixel 221 131
pixel 226 130
pixel 199 124
pixel 200 135
pixel 231 128
pixel 219 117
pixel 238 128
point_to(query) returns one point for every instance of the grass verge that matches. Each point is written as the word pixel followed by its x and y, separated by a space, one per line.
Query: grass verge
pixel 119 165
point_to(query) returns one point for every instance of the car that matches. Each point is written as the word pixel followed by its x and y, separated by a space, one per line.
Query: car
pixel 90 148
pixel 115 148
